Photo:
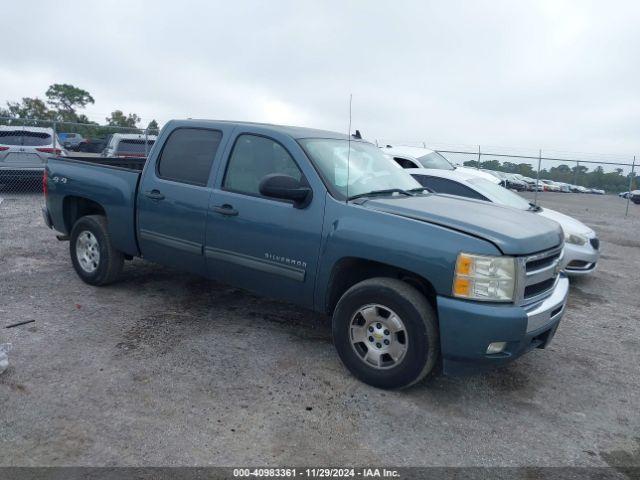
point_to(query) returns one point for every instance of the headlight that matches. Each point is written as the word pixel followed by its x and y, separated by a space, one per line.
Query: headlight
pixel 576 239
pixel 482 277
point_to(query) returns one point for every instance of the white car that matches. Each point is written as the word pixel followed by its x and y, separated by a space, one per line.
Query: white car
pixel 24 151
pixel 550 185
pixel 129 145
pixel 582 247
pixel 417 157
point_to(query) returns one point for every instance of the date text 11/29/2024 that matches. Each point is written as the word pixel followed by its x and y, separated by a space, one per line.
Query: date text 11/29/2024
pixel 316 472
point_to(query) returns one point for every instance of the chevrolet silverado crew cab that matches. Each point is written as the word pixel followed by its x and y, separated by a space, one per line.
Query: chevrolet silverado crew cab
pixel 328 222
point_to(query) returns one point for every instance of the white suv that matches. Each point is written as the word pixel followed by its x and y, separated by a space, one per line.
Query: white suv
pixel 129 145
pixel 24 151
pixel 417 157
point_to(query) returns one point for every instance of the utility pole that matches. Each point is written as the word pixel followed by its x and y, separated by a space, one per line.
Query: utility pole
pixel 633 168
pixel 535 198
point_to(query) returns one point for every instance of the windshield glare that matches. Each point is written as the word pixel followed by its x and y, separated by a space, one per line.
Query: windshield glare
pixel 499 194
pixel 435 160
pixel 369 169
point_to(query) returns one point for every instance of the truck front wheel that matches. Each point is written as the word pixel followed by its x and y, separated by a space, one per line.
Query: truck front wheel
pixel 95 260
pixel 386 333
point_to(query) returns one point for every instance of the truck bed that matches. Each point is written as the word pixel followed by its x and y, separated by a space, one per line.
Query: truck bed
pixel 129 163
pixel 111 183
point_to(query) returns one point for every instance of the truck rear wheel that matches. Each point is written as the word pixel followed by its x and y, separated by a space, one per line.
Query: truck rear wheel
pixel 95 260
pixel 386 333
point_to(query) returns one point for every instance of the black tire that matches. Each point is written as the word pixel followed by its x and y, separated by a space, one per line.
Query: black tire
pixel 110 260
pixel 423 344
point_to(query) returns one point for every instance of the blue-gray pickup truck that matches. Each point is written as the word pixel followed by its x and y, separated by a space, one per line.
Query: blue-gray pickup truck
pixel 412 280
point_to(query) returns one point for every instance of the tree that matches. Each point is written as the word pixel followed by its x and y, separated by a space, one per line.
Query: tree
pixel 28 108
pixel 509 167
pixel 119 119
pixel 526 170
pixel 491 165
pixel 65 99
pixel 153 127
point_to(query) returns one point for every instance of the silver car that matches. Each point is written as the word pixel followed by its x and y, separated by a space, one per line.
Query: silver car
pixel 24 151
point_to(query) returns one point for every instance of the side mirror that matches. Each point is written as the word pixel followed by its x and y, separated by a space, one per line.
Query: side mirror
pixel 285 187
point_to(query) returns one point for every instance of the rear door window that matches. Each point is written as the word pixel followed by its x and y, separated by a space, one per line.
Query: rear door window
pixel 188 154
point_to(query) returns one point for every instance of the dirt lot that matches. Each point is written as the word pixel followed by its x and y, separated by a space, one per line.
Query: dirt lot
pixel 164 368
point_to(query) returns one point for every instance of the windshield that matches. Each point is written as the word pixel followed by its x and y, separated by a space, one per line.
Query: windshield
pixel 435 160
pixel 499 194
pixel 369 169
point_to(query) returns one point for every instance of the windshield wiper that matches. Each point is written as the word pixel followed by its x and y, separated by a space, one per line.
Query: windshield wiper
pixel 421 189
pixel 534 208
pixel 381 192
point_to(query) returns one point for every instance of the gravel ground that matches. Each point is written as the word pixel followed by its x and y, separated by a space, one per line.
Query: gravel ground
pixel 165 368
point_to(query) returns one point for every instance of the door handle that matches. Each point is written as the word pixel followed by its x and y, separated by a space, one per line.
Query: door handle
pixel 225 209
pixel 154 195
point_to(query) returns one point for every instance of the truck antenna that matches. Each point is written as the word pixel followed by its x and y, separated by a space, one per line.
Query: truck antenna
pixel 349 146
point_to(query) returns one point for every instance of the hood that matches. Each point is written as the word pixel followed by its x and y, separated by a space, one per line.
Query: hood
pixel 569 224
pixel 478 173
pixel 514 232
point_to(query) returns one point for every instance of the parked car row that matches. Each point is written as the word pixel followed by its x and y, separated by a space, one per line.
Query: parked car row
pixel 633 195
pixel 521 183
pixel 114 145
pixel 417 157
pixel 24 150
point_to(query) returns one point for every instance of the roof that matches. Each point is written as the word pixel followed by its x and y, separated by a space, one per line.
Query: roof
pixel 292 131
pixel 25 128
pixel 405 151
pixel 133 136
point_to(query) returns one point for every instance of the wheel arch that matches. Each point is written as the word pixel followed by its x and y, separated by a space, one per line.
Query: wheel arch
pixel 348 271
pixel 75 207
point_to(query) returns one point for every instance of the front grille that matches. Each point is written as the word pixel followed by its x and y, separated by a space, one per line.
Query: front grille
pixel 539 274
pixel 537 264
pixel 595 243
pixel 538 288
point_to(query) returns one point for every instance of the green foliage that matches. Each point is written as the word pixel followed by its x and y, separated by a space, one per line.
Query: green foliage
pixel 61 106
pixel 153 127
pixel 119 119
pixel 29 108
pixel 65 99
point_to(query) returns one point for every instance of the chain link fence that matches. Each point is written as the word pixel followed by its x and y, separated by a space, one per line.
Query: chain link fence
pixel 544 170
pixel 25 145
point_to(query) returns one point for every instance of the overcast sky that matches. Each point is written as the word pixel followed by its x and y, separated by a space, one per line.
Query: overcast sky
pixel 561 75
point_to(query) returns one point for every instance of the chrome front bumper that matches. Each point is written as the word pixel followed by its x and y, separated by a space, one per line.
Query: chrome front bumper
pixel 550 309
